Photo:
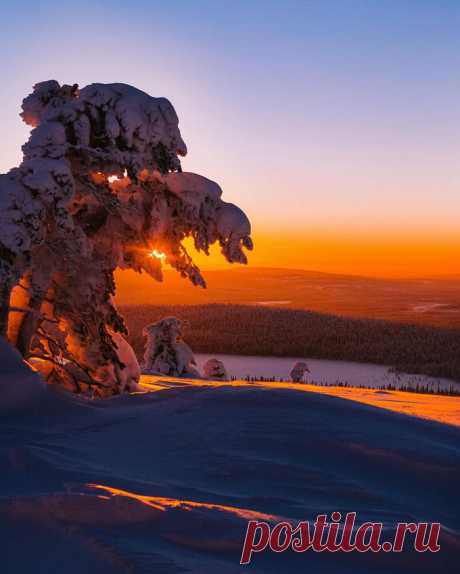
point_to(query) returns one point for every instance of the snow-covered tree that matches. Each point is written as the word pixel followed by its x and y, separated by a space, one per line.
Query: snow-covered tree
pixel 165 352
pixel 215 370
pixel 100 187
pixel 299 372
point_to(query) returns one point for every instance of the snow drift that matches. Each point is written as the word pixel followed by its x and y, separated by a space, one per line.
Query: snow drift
pixel 166 353
pixel 166 481
pixel 20 387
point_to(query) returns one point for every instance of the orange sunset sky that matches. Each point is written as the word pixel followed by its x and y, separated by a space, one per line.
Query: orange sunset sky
pixel 373 256
pixel 338 136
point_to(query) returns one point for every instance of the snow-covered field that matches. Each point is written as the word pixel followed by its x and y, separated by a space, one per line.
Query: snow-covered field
pixel 165 481
pixel 324 371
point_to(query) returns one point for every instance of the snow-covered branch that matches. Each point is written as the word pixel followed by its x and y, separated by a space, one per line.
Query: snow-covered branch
pixel 100 188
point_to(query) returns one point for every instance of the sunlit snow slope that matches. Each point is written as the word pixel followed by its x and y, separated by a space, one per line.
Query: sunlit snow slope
pixel 165 482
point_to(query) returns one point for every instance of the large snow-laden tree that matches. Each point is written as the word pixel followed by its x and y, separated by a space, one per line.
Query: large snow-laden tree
pixel 100 187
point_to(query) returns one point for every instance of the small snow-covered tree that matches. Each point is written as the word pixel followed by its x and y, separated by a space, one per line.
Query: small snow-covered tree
pixel 215 369
pixel 100 187
pixel 166 353
pixel 299 372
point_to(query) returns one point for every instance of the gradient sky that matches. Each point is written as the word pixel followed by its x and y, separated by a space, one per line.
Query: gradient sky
pixel 335 124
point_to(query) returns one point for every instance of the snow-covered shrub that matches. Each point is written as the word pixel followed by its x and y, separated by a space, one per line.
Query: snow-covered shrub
pixel 100 187
pixel 299 372
pixel 165 351
pixel 215 369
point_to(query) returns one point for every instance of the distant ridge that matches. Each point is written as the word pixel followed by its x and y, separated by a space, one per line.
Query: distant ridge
pixel 425 300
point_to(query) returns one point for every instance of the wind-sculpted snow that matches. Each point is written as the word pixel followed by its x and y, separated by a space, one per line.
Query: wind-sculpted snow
pixel 19 386
pixel 167 481
pixel 100 187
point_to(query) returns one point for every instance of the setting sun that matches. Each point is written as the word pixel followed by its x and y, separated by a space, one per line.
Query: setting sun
pixel 157 254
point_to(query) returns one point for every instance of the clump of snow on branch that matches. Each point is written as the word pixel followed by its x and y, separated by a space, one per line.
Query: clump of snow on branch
pixel 215 370
pixel 165 352
pixel 100 188
pixel 299 372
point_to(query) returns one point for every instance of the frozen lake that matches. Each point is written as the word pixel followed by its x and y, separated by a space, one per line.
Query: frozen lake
pixel 322 371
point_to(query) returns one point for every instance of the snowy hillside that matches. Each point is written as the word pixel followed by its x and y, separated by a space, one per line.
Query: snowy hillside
pixel 166 481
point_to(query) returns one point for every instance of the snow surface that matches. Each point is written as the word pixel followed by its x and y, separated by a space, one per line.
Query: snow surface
pixel 19 386
pixel 166 481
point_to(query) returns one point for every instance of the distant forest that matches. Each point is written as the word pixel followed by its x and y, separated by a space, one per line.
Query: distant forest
pixel 257 330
